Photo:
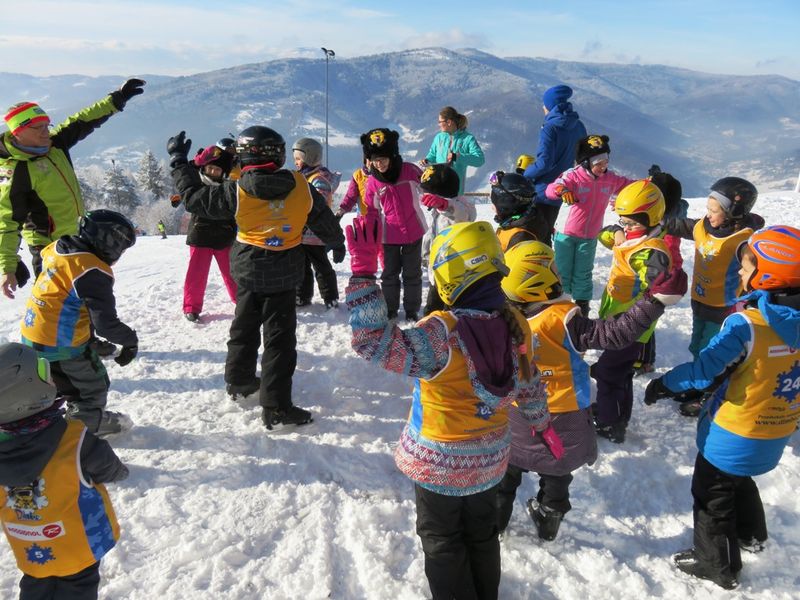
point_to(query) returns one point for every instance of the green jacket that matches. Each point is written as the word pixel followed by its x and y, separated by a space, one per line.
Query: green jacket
pixel 40 194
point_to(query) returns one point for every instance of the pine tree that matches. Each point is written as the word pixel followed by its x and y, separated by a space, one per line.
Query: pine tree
pixel 119 192
pixel 150 177
pixel 91 197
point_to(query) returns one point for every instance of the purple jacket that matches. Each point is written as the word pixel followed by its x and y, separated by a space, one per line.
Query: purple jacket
pixel 592 196
pixel 398 203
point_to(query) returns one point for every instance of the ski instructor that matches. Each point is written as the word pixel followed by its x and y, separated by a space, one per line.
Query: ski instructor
pixel 39 192
pixel 271 206
pixel 561 130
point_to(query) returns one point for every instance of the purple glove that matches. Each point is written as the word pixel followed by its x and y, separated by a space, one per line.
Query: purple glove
pixel 669 287
pixel 553 442
pixel 364 244
pixel 434 201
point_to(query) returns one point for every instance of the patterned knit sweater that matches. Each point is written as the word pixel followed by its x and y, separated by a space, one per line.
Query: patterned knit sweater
pixel 457 468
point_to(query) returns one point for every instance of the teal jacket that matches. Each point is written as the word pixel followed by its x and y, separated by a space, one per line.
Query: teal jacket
pixel 40 194
pixel 464 145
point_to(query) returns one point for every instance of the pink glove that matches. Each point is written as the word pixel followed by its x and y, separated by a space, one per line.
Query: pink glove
pixel 552 441
pixel 364 244
pixel 669 287
pixel 434 201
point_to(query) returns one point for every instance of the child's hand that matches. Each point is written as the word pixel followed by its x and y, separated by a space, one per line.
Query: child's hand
pixel 363 242
pixel 619 237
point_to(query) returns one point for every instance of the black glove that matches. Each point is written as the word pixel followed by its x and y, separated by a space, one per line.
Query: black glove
pixel 654 170
pixel 126 355
pixel 178 149
pixel 339 252
pixel 129 89
pixel 655 391
pixel 22 274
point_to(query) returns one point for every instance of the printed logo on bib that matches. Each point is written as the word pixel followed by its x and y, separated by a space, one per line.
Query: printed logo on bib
pixel 35 532
pixel 788 386
pixel 783 350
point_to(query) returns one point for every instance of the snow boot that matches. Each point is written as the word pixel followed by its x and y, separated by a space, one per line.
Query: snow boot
pixel 112 423
pixel 275 419
pixel 547 520
pixel 412 317
pixel 691 408
pixel 615 432
pixel 302 302
pixel 238 391
pixel 752 545
pixel 584 306
pixel 687 561
pixel 103 348
pixel 192 317
pixel 334 303
pixel 392 314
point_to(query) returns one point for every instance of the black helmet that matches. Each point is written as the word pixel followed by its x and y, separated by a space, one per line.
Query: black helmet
pixel 108 233
pixel 512 194
pixel 25 387
pixel 736 196
pixel 258 145
pixel 227 144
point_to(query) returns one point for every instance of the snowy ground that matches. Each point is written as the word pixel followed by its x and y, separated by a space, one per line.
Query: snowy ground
pixel 217 508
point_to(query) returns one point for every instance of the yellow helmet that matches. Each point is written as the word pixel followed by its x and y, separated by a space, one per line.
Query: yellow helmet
pixel 461 255
pixel 641 197
pixel 533 276
pixel 524 161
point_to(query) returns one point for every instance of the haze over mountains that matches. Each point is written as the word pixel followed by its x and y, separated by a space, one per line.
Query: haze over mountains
pixel 699 126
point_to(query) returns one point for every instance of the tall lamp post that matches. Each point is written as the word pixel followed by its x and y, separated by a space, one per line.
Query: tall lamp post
pixel 328 55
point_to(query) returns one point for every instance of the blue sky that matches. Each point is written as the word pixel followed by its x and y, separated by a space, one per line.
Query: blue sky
pixel 179 37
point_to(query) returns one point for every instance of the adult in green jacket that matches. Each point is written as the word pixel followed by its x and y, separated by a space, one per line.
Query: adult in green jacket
pixel 39 191
pixel 455 145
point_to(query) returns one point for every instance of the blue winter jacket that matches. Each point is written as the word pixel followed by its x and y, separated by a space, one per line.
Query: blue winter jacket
pixel 561 130
pixel 724 449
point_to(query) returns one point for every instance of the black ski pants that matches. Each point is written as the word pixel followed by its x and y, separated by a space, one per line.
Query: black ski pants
pixel 317 257
pixel 80 586
pixel 459 538
pixel 405 259
pixel 276 315
pixel 726 508
pixel 544 223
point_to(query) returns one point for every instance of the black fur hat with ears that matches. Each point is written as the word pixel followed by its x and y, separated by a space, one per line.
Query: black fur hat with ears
pixel 379 143
pixel 440 179
pixel 590 146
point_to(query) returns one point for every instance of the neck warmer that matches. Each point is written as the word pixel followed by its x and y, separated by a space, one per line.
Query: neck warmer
pixel 35 150
pixel 485 335
pixel 33 423
pixel 392 173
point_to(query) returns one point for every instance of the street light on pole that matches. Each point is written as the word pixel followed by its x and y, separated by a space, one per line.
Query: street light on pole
pixel 328 55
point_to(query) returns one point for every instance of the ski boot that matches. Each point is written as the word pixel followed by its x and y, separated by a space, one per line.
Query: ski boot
pixel 547 520
pixel 275 419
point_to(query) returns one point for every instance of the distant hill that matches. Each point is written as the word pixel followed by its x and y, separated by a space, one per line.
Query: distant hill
pixel 698 126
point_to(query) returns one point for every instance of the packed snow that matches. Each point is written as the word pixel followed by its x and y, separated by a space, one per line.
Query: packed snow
pixel 216 507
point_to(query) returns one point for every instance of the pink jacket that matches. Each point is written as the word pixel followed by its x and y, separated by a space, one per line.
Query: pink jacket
pixel 592 196
pixel 398 203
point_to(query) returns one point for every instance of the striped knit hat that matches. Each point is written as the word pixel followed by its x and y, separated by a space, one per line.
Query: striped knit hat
pixel 24 114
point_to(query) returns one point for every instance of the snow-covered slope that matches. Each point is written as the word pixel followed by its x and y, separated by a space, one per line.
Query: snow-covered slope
pixel 217 508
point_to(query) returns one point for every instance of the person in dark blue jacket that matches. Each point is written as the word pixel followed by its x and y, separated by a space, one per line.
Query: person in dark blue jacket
pixel 561 130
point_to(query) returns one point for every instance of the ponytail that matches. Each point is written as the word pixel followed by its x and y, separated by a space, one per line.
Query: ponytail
pixel 448 112
pixel 512 318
